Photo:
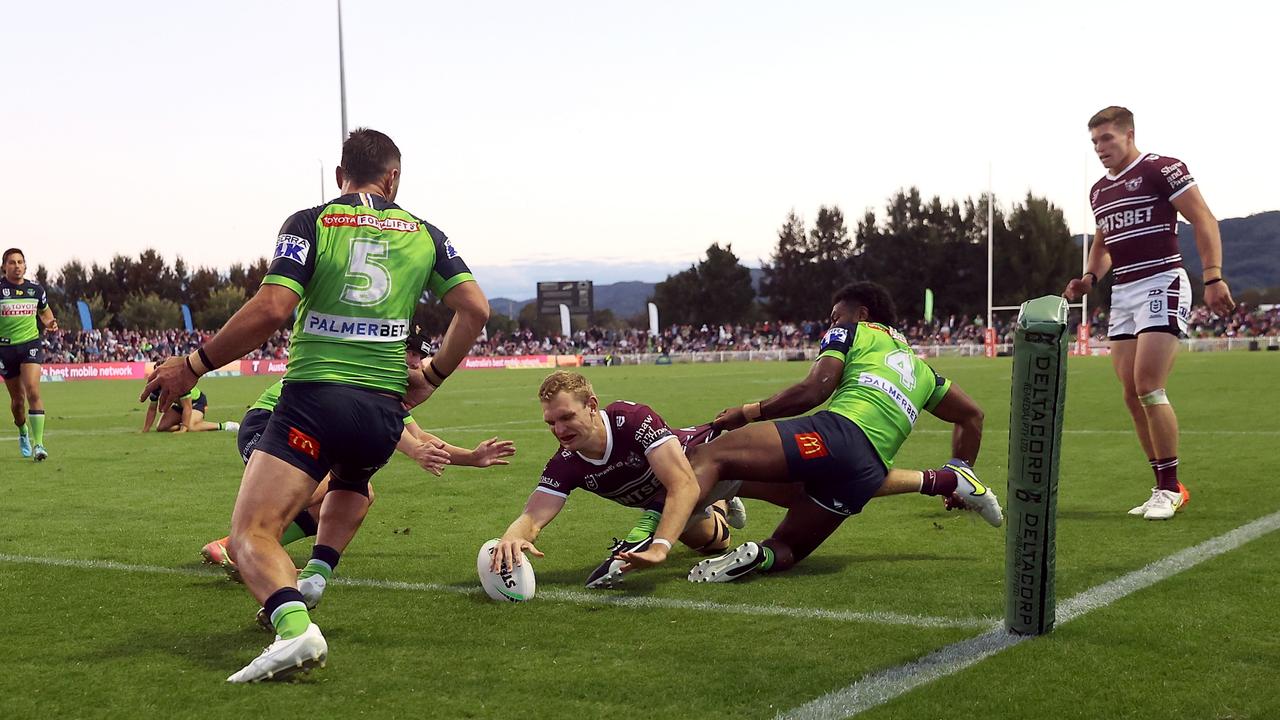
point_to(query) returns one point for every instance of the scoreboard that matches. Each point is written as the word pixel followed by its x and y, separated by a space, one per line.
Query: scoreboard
pixel 579 295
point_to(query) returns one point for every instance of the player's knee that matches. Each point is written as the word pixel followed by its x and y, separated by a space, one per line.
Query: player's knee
pixel 1153 398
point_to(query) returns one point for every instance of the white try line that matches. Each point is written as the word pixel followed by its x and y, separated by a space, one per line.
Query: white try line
pixel 881 687
pixel 568 596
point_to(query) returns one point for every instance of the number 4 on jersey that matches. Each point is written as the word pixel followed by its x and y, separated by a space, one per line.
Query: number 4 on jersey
pixel 900 361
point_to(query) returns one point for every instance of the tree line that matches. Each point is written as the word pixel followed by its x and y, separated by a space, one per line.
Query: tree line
pixel 913 245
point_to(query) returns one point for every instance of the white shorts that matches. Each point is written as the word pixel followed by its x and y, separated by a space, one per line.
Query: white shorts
pixel 1161 303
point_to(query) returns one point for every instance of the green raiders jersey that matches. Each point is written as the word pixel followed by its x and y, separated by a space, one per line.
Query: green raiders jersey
pixel 271 397
pixel 359 263
pixel 884 386
pixel 20 303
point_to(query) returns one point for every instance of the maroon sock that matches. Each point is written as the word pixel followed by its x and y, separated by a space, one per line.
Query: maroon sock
pixel 1167 474
pixel 938 482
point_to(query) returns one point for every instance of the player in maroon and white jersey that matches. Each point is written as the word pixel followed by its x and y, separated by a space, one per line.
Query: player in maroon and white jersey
pixel 1136 207
pixel 626 453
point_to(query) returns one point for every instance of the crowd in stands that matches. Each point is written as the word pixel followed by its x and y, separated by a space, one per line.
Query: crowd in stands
pixel 100 346
pixel 130 345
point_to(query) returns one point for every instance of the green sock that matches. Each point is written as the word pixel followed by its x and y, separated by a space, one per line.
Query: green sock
pixel 292 534
pixel 37 426
pixel 647 525
pixel 316 567
pixel 768 557
pixel 22 429
pixel 291 620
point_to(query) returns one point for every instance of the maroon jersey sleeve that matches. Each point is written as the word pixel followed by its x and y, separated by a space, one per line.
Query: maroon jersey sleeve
pixel 560 476
pixel 639 426
pixel 1170 175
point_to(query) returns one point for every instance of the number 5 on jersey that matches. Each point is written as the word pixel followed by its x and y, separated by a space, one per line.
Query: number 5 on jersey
pixel 373 280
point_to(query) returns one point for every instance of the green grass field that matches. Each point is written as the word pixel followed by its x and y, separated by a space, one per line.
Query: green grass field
pixel 105 610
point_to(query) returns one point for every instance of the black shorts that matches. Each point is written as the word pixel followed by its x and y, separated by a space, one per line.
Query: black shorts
pixel 199 405
pixel 12 357
pixel 251 428
pixel 323 428
pixel 830 454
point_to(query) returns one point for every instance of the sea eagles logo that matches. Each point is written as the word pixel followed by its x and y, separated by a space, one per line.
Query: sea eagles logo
pixel 633 461
pixel 1133 184
pixel 293 248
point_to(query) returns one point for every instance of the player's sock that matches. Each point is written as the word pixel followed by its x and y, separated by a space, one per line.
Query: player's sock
pixel 942 481
pixel 288 612
pixel 303 526
pixel 22 430
pixel 1167 474
pixel 767 562
pixel 36 419
pixel 647 525
pixel 324 560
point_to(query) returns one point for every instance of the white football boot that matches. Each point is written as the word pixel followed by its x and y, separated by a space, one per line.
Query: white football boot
pixel 737 515
pixel 285 658
pixel 729 566
pixel 1141 510
pixel 312 589
pixel 231 426
pixel 976 496
pixel 1164 504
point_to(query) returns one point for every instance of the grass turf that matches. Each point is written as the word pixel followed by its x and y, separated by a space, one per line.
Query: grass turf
pixel 100 641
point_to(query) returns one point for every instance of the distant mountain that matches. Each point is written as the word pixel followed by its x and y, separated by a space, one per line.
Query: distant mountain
pixel 1250 248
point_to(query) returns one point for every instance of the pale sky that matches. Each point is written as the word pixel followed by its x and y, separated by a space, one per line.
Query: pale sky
pixel 628 135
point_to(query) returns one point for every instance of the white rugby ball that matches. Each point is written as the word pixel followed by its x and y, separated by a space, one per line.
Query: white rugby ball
pixel 510 584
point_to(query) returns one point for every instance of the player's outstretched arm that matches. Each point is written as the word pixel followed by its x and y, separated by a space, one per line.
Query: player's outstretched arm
pixel 185 424
pixel 1098 264
pixel 957 408
pixel 150 420
pixel 252 324
pixel 822 380
pixel 431 454
pixel 1192 206
pixel 487 453
pixel 676 475
pixel 539 511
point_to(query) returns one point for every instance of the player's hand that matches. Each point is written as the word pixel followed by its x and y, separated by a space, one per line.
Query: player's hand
pixel 1218 297
pixel 1077 288
pixel 52 326
pixel 492 452
pixel 730 419
pixel 179 429
pixel 655 554
pixel 431 456
pixel 172 378
pixel 507 552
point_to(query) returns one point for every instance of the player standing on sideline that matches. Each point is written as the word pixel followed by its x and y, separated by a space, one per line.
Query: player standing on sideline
pixel 354 269
pixel 21 301
pixel 1136 206
pixel 877 387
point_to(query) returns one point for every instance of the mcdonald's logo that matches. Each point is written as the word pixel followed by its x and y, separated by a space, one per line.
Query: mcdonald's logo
pixel 303 442
pixel 811 446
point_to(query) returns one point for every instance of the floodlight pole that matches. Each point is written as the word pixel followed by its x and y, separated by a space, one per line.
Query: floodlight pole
pixel 342 75
pixel 991 199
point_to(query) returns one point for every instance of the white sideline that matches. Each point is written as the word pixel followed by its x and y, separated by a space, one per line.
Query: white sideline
pixel 880 687
pixel 569 596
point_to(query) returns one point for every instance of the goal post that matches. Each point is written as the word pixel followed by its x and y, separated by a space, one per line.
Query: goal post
pixel 1038 398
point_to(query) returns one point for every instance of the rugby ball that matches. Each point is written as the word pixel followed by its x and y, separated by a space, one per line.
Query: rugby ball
pixel 509 584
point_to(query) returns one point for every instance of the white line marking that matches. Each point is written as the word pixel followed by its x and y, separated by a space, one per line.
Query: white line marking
pixel 568 596
pixel 881 687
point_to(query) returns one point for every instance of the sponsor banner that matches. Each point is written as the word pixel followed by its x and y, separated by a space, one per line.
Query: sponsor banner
pixel 371 221
pixel 94 371
pixel 509 362
pixel 343 327
pixel 568 361
pixel 263 367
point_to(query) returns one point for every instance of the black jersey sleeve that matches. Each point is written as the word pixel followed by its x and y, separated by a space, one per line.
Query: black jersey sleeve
pixel 294 259
pixel 450 270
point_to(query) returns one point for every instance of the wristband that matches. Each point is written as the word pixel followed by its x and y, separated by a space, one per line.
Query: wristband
pixel 204 358
pixel 187 359
pixel 661 541
pixel 428 371
pixel 442 375
pixel 1092 275
pixel 752 412
pixel 1207 283
pixel 1212 267
pixel 427 378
